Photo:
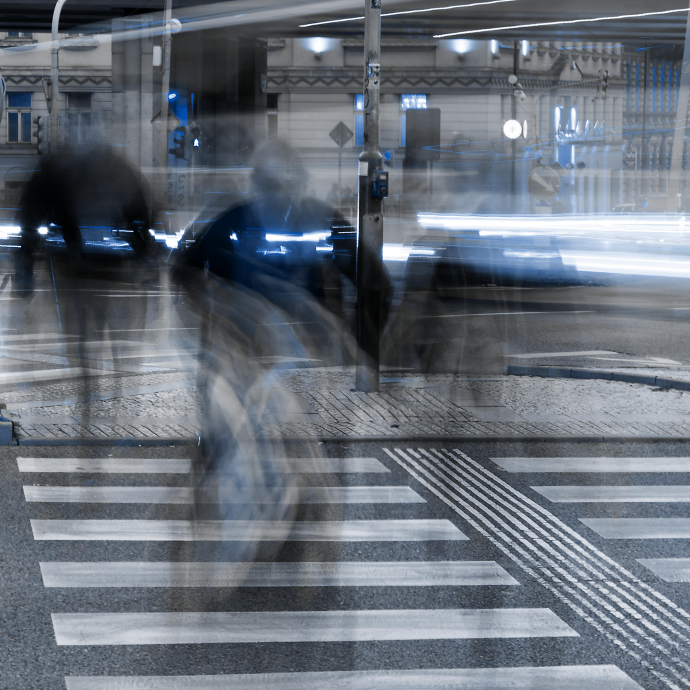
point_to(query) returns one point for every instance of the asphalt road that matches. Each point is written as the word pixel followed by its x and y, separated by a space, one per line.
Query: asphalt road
pixel 631 322
pixel 501 583
pixel 150 326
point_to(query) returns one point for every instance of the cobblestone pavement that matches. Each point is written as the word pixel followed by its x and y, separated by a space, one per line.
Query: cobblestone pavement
pixel 409 405
pixel 147 406
pixel 166 406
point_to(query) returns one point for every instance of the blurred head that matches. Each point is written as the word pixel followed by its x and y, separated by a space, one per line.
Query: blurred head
pixel 278 169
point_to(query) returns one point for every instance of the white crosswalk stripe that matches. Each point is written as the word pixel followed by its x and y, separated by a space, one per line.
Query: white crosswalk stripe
pixel 297 627
pixel 639 528
pixel 668 569
pixel 309 574
pixel 244 530
pixel 182 466
pixel 599 465
pixel 605 677
pixel 615 494
pixel 305 626
pixel 161 494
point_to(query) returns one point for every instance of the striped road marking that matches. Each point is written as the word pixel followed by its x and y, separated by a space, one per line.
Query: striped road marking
pixel 668 569
pixel 639 528
pixel 307 574
pixel 305 626
pixel 642 622
pixel 178 466
pixel 593 464
pixel 615 494
pixel 245 530
pixel 161 494
pixel 518 678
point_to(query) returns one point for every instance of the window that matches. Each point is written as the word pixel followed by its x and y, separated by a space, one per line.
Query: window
pixel 272 115
pixel 359 119
pixel 19 117
pixel 20 34
pixel 409 101
pixel 79 117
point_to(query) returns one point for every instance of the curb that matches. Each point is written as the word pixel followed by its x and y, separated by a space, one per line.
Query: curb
pixel 565 373
pixel 440 438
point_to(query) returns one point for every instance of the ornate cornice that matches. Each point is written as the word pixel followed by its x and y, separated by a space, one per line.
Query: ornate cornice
pixel 82 83
pixel 429 81
pixel 418 44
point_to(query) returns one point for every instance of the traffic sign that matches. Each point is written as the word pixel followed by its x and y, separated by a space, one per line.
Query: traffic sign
pixel 341 134
pixel 543 183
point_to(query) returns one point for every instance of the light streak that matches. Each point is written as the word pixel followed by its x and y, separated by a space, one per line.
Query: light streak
pixel 593 225
pixel 396 14
pixel 561 22
pixel 627 264
pixel 305 237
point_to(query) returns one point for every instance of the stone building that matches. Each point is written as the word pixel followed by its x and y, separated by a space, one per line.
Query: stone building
pixel 610 155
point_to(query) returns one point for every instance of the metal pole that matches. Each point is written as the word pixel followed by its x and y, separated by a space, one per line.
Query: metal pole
pixel 513 114
pixel 54 76
pixel 676 171
pixel 370 219
pixel 645 151
pixel 165 90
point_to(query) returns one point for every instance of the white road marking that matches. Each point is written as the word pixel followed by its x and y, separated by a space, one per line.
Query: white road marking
pixel 245 530
pixel 593 464
pixel 508 313
pixel 639 528
pixel 641 621
pixel 50 375
pixel 607 677
pixel 278 574
pixel 37 336
pixel 668 569
pixel 615 494
pixel 184 495
pixel 580 353
pixel 305 626
pixel 106 465
pixel 146 330
pixel 177 466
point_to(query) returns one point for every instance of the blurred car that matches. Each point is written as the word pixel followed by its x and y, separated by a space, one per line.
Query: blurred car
pixel 309 247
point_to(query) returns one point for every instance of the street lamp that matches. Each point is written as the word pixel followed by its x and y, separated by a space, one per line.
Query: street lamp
pixel 54 88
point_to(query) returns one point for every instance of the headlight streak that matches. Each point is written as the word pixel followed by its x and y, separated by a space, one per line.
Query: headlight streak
pixel 597 226
pixel 399 252
pixel 627 264
pixel 304 237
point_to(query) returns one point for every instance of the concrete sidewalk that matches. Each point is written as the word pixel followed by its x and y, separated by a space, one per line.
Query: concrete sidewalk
pixel 164 407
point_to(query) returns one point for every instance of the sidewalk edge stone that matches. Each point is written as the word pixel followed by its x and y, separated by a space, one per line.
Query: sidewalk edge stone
pixel 562 372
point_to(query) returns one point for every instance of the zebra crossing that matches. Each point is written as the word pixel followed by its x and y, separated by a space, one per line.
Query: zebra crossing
pixel 636 528
pixel 129 628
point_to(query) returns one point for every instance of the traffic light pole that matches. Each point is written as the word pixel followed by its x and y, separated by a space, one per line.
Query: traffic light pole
pixel 54 76
pixel 165 90
pixel 370 217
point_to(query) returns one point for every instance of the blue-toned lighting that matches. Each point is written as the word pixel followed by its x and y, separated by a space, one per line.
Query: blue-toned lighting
pixel 318 44
pixel 172 96
pixel 460 45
